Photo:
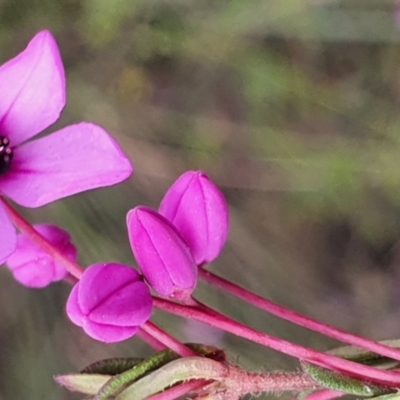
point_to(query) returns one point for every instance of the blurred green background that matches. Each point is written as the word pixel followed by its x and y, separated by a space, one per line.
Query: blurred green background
pixel 291 106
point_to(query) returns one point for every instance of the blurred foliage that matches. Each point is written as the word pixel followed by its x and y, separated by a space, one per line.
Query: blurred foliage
pixel 291 106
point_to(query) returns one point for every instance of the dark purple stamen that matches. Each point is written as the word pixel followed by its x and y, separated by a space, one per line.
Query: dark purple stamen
pixel 6 155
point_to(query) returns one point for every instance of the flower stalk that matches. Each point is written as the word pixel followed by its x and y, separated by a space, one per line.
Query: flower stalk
pixel 167 340
pixel 296 318
pixel 389 378
pixel 25 227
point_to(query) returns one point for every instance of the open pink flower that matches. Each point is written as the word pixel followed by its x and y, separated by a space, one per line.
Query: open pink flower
pixel 32 266
pixel 71 160
pixel 110 302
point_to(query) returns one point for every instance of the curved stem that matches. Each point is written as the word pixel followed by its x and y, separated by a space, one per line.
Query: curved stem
pixel 218 320
pixel 297 318
pixel 26 228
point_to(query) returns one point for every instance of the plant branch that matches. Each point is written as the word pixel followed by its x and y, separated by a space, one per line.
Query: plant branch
pixel 218 320
pixel 26 228
pixel 297 318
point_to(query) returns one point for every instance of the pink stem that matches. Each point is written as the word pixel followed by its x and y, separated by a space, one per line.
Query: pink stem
pixel 213 318
pixel 298 319
pixel 325 394
pixel 71 279
pixel 176 392
pixel 240 382
pixel 25 227
pixel 167 340
pixel 150 340
pixel 75 272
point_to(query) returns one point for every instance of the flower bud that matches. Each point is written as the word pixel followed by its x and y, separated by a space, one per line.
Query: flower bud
pixel 199 211
pixel 161 253
pixel 110 302
pixel 32 266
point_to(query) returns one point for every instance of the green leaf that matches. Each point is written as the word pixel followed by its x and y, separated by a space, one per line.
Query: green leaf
pixel 117 383
pixel 111 366
pixel 337 381
pixel 392 396
pixel 179 370
pixel 83 383
pixel 362 356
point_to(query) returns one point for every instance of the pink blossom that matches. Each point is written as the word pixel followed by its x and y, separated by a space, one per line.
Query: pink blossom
pixel 199 211
pixel 33 267
pixel 162 255
pixel 110 302
pixel 74 159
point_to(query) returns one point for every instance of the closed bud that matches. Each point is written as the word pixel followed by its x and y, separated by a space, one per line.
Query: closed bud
pixel 162 255
pixel 32 266
pixel 198 209
pixel 110 302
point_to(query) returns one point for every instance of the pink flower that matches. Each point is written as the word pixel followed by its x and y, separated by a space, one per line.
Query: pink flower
pixel 71 160
pixel 33 267
pixel 199 211
pixel 162 255
pixel 110 302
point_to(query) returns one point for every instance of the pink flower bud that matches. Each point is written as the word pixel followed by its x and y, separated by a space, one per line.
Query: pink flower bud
pixel 110 302
pixel 199 211
pixel 33 267
pixel 161 253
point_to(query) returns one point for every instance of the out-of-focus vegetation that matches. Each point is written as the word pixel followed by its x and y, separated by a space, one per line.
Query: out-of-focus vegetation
pixel 292 107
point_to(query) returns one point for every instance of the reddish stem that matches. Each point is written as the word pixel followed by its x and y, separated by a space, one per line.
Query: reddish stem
pixel 167 340
pixel 176 392
pixel 298 319
pixel 325 394
pixel 150 340
pixel 240 382
pixel 218 320
pixel 26 228
pixel 71 279
pixel 159 337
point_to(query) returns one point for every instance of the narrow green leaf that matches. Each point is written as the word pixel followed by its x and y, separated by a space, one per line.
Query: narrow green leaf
pixel 111 366
pixel 180 370
pixel 83 383
pixel 116 384
pixel 362 356
pixel 392 396
pixel 337 381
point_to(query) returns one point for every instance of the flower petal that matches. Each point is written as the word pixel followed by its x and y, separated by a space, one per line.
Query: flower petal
pixel 32 266
pixel 35 274
pixel 130 305
pixel 77 158
pixel 32 89
pixel 108 333
pixel 100 281
pixel 8 241
pixel 73 308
